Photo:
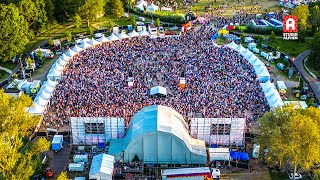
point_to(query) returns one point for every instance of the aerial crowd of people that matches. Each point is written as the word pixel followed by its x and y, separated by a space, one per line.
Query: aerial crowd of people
pixel 220 83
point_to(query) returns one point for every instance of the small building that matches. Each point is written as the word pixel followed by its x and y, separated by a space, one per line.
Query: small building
pixel 80 158
pixel 200 173
pixel 57 142
pixel 102 167
pixel 76 167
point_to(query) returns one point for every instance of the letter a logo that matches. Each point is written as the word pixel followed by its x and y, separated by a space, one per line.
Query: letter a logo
pixel 290 24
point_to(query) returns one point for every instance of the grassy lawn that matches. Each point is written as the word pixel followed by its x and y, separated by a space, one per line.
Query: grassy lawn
pixel 311 67
pixel 8 65
pixel 292 48
pixel 3 75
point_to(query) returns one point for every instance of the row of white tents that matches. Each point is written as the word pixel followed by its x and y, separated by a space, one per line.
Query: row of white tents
pixel 57 68
pixel 271 93
pixel 144 4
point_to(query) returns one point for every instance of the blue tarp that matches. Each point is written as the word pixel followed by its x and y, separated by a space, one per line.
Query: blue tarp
pixel 242 156
pixel 215 36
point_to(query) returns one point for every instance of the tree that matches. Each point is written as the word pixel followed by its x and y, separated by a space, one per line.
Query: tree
pixel 40 53
pixel 272 37
pixel 118 10
pixel 315 53
pixel 90 10
pixel 303 13
pixel 314 18
pixel 130 3
pixel 50 10
pixel 292 137
pixel 17 162
pixel 158 23
pixel 68 35
pixel 77 20
pixel 13 30
pixel 134 23
pixel 65 9
pixel 34 13
pixel 109 24
pixel 90 30
pixel 63 176
pixel 51 42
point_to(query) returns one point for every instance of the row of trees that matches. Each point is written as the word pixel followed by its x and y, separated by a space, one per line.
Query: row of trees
pixel 18 160
pixel 291 137
pixel 22 20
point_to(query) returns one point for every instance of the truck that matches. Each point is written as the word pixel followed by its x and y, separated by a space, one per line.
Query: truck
pixel 35 87
pixel 57 143
pixel 200 173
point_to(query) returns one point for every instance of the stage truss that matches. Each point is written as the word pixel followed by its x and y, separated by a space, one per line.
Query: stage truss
pixel 219 131
pixel 94 130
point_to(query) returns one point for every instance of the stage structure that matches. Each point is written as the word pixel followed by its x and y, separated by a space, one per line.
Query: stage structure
pixel 94 130
pixel 219 131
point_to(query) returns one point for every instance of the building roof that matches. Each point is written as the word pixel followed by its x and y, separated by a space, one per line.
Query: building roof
pixel 102 163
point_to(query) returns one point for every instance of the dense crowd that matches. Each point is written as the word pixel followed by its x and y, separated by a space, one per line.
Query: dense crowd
pixel 219 81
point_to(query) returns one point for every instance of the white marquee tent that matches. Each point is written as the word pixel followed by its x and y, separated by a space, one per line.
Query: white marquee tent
pixel 64 57
pixel 70 53
pixel 232 45
pixel 152 8
pixel 85 45
pixel 158 90
pixel 240 48
pixel 76 49
pixel 123 35
pixel 54 74
pixel 61 62
pixel 144 33
pixel 93 42
pixel 36 109
pixel 113 37
pixel 103 39
pixel 133 33
pixel 58 67
pixel 102 167
pixel 272 95
pixel 246 53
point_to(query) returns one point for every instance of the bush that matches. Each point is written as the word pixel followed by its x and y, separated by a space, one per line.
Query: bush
pixel 263 30
pixel 163 16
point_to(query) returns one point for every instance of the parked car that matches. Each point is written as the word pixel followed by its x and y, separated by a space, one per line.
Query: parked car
pixel 281 66
pixel 255 151
pixel 161 30
pixel 141 19
pixel 173 28
pixel 296 176
pixel 139 23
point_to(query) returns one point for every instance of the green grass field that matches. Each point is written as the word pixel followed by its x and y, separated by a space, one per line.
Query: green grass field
pixel 292 48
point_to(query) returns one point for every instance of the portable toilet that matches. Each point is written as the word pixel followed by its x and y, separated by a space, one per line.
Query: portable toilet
pixel 57 142
pixel 78 167
pixel 80 158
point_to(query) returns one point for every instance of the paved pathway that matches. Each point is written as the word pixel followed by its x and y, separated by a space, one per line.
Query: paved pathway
pixel 5 69
pixel 313 82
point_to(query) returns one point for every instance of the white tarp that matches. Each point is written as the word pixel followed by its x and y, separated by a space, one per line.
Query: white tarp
pixel 123 35
pixel 219 154
pixel 93 42
pixel 103 39
pixel 113 37
pixel 158 90
pixel 76 49
pixel 297 104
pixel 133 33
pixel 85 45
